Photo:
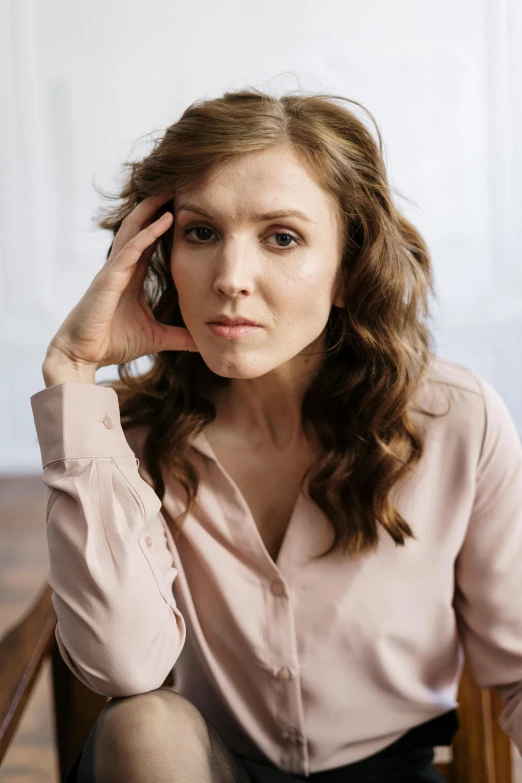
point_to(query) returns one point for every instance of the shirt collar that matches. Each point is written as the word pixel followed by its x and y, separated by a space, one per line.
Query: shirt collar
pixel 201 444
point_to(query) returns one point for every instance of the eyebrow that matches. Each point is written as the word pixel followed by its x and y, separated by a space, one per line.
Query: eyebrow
pixel 265 216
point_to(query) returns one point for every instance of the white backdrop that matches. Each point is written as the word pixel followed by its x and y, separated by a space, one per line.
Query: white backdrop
pixel 83 84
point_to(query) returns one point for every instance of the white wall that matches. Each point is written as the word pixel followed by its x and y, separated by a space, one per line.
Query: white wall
pixel 81 82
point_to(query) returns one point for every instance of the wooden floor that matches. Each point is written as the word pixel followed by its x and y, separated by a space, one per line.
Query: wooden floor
pixel 24 563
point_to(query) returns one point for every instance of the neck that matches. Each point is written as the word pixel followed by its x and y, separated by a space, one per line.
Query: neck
pixel 268 408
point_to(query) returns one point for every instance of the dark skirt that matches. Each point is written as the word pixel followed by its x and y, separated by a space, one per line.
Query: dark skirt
pixel 408 760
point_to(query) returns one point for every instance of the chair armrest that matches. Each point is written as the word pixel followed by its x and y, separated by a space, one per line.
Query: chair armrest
pixel 23 649
pixel 481 750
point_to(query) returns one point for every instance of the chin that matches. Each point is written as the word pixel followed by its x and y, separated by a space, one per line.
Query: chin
pixel 243 366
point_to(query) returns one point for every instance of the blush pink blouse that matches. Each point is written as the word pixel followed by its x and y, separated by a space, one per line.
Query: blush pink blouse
pixel 307 664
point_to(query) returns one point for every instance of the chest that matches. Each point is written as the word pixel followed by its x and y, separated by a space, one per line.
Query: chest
pixel 269 481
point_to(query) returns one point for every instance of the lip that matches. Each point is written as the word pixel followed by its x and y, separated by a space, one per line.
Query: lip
pixel 232 332
pixel 229 321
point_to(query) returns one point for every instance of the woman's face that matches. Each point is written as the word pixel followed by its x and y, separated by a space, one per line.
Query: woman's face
pixel 279 272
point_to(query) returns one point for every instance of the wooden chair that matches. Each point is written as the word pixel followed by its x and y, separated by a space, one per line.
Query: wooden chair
pixel 481 751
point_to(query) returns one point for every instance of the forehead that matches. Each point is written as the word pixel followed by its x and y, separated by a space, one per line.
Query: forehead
pixel 257 183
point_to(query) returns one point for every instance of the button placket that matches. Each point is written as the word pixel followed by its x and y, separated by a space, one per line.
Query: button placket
pixel 294 753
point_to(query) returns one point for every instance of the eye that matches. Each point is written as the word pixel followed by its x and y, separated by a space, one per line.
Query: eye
pixel 286 234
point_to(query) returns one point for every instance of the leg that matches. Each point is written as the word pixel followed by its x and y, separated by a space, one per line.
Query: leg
pixel 156 737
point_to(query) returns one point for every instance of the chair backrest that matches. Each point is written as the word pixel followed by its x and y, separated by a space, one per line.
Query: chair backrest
pixel 481 751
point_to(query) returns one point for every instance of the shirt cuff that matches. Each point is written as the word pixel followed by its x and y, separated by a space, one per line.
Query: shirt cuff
pixel 78 420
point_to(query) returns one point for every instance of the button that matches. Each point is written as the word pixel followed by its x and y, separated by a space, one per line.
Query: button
pixel 148 541
pixel 284 673
pixel 277 588
pixel 108 422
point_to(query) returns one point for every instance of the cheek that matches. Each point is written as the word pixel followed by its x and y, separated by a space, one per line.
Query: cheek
pixel 188 292
pixel 305 298
pixel 185 277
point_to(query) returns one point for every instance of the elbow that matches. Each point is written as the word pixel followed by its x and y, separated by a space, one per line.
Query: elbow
pixel 127 686
pixel 124 675
pixel 118 681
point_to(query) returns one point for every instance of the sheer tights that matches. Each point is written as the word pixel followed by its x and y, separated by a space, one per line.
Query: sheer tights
pixel 160 737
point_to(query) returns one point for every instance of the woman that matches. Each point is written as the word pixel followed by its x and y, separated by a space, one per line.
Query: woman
pixel 299 515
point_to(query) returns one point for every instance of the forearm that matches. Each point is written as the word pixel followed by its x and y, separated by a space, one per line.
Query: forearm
pixel 110 567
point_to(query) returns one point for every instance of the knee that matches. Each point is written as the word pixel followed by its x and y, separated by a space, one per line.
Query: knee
pixel 131 729
pixel 149 712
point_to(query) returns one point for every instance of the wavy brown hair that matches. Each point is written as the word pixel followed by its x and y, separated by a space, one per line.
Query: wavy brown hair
pixel 378 348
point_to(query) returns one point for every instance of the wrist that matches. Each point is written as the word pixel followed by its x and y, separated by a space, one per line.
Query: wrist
pixel 58 368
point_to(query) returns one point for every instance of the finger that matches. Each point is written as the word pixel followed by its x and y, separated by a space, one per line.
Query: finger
pixel 135 220
pixel 142 267
pixel 174 338
pixel 124 263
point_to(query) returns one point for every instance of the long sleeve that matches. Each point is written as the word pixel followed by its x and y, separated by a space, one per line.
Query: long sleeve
pixel 488 597
pixel 111 571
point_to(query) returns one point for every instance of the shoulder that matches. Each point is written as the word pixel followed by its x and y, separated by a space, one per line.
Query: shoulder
pixel 463 387
pixel 453 387
pixel 473 408
pixel 453 375
pixel 453 392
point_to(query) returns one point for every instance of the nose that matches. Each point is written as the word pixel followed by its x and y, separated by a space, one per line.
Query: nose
pixel 234 270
